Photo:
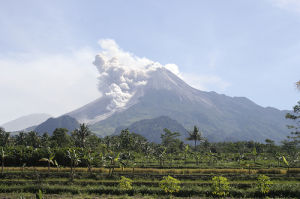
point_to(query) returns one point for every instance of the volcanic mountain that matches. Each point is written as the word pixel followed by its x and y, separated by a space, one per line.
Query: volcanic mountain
pixel 219 117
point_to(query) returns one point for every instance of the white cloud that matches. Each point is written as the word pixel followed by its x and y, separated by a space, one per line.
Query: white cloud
pixel 292 5
pixel 49 83
pixel 173 68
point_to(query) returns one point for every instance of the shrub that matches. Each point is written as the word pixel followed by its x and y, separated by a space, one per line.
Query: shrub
pixel 220 186
pixel 125 183
pixel 263 184
pixel 169 184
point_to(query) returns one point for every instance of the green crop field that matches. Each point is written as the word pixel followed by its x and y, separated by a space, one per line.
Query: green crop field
pixel 128 166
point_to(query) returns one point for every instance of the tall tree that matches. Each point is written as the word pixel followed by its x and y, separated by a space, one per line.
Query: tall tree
pixel 4 137
pixel 32 139
pixel 60 137
pixel 295 117
pixel 80 135
pixel 45 140
pixel 195 136
pixel 170 140
pixel 21 139
pixel 126 140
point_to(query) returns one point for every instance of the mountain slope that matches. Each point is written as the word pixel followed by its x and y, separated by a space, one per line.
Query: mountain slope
pixel 219 117
pixel 153 128
pixel 25 122
pixel 51 124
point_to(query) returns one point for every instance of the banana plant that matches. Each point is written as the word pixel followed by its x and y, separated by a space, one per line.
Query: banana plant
pixel 73 156
pixel 186 152
pixel 3 155
pixel 89 157
pixel 56 164
pixel 113 158
pixel 49 160
pixel 286 162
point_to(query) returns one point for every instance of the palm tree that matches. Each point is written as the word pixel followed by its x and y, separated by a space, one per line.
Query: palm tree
pixel 81 134
pixel 4 137
pixel 195 136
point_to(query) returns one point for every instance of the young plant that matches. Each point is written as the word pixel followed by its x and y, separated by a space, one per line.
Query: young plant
pixel 125 183
pixel 39 195
pixel 73 156
pixel 169 184
pixel 286 162
pixel 56 164
pixel 220 186
pixel 113 159
pixel 3 155
pixel 89 157
pixel 264 184
pixel 49 160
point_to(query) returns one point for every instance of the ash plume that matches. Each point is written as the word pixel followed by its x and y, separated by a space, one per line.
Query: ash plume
pixel 122 73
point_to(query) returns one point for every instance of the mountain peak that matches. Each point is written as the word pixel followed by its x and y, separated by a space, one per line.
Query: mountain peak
pixel 25 121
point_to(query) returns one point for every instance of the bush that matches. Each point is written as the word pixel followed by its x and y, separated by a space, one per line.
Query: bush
pixel 263 184
pixel 125 183
pixel 169 184
pixel 220 186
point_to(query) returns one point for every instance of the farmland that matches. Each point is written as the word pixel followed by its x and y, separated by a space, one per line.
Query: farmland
pixel 193 182
pixel 82 165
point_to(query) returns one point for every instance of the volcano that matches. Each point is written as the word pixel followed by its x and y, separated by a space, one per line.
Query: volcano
pixel 219 117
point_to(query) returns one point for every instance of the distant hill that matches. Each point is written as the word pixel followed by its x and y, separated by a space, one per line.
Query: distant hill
pixel 153 128
pixel 51 124
pixel 25 122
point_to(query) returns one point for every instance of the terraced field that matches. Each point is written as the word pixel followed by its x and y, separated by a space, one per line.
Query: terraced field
pixel 194 183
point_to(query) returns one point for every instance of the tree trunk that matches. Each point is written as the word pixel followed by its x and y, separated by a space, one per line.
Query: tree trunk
pixel 195 144
pixel 2 167
pixel 71 167
pixel 48 167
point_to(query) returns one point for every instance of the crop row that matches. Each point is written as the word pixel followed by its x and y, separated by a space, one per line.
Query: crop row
pixel 163 171
pixel 281 190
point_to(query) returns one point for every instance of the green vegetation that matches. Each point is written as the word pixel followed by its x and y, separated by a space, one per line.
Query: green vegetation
pixel 169 184
pixel 220 186
pixel 125 183
pixel 264 184
pixel 82 164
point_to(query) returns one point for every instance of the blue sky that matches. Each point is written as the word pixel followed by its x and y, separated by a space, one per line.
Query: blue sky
pixel 244 48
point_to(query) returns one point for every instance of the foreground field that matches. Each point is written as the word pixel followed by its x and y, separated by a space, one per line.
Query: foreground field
pixel 194 183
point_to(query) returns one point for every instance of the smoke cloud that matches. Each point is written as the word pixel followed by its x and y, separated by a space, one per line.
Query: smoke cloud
pixel 122 73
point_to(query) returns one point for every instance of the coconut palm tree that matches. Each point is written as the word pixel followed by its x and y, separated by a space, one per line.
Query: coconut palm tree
pixel 195 135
